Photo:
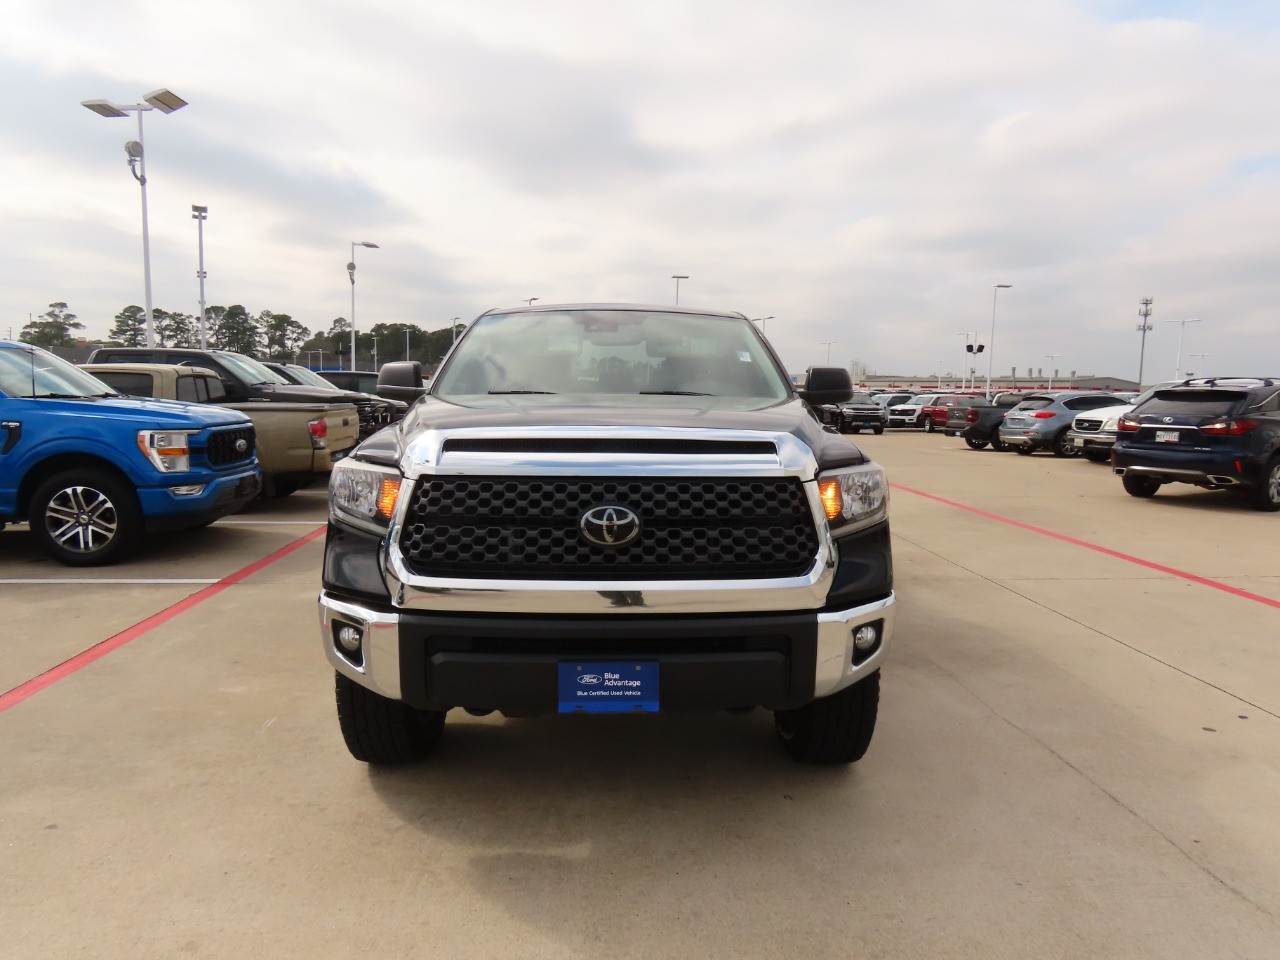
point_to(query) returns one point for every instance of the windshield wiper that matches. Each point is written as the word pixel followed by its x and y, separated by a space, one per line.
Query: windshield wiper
pixel 549 393
pixel 61 396
pixel 674 393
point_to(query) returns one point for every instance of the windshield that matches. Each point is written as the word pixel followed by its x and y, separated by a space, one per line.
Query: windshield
pixel 32 372
pixel 249 369
pixel 306 375
pixel 611 353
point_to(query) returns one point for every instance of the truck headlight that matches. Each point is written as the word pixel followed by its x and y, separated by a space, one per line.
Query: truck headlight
pixel 857 497
pixel 363 494
pixel 168 450
pixel 1111 425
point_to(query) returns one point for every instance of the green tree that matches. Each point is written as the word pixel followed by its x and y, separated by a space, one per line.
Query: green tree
pixel 52 328
pixel 283 335
pixel 237 330
pixel 130 329
pixel 175 329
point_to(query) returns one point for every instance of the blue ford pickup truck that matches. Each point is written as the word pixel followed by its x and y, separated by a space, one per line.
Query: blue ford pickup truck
pixel 92 471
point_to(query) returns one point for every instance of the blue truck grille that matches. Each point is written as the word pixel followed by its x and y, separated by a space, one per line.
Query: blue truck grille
pixel 492 527
pixel 224 447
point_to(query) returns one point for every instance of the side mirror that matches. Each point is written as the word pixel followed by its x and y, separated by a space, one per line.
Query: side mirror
pixel 401 380
pixel 827 385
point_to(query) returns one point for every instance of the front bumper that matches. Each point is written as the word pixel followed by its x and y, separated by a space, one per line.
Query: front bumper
pixel 1091 441
pixel 482 662
pixel 165 510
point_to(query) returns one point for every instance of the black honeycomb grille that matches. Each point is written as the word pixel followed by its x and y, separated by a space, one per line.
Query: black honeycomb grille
pixel 528 528
pixel 220 448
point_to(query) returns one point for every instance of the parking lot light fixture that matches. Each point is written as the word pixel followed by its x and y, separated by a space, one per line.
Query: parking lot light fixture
pixel 200 215
pixel 827 344
pixel 764 323
pixel 1144 327
pixel 991 341
pixel 677 277
pixel 166 101
pixel 351 271
pixel 453 325
pixel 1182 328
pixel 1051 357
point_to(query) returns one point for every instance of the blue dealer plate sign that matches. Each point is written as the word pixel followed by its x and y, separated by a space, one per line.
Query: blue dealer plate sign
pixel 608 687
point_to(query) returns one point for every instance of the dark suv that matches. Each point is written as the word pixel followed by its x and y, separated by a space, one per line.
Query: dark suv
pixel 1215 433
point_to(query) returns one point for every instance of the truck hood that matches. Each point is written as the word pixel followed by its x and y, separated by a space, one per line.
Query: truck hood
pixel 305 393
pixel 146 412
pixel 519 413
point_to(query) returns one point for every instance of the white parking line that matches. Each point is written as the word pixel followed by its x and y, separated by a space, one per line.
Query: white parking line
pixel 139 580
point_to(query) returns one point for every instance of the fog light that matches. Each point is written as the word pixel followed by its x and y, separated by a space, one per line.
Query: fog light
pixel 865 637
pixel 190 490
pixel 350 638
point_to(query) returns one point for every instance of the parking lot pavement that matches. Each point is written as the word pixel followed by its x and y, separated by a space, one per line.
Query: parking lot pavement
pixel 1077 756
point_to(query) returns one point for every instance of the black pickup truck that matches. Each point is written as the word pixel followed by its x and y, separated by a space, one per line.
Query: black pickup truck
pixel 980 426
pixel 608 509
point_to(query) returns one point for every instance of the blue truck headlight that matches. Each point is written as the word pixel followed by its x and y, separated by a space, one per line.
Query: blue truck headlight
pixel 363 494
pixel 857 497
pixel 168 450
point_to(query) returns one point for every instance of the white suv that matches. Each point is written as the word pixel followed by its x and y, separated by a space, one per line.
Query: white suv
pixel 908 414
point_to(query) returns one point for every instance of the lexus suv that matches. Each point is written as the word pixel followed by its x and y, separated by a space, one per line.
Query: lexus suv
pixel 1216 433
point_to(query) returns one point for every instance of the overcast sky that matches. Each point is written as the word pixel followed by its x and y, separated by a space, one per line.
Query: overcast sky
pixel 861 172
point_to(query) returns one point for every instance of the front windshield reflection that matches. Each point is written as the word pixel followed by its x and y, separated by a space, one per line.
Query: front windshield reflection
pixel 614 355
pixel 33 372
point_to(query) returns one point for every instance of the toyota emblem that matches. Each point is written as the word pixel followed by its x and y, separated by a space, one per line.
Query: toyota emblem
pixel 609 526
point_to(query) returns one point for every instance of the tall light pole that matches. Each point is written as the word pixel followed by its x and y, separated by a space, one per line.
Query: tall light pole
pixel 200 215
pixel 764 323
pixel 991 341
pixel 406 343
pixel 1199 356
pixel 530 300
pixel 351 271
pixel 677 277
pixel 1144 325
pixel 166 101
pixel 1182 328
pixel 453 325
pixel 968 349
pixel 1051 357
pixel 828 344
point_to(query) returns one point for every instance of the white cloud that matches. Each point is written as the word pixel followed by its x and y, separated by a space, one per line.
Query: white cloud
pixel 861 172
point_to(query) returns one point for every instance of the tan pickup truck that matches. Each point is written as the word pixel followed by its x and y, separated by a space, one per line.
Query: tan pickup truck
pixel 297 442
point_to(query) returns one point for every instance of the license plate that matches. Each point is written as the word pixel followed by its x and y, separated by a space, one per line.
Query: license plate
pixel 1168 436
pixel 614 687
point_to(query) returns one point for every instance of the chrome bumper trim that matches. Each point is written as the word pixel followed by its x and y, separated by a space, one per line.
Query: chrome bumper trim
pixel 379 669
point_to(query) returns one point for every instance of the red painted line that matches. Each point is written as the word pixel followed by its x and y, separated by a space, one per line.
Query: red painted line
pixel 1150 565
pixel 99 650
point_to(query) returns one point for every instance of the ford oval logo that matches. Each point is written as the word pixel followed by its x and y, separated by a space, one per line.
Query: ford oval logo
pixel 590 679
pixel 609 526
pixel 242 446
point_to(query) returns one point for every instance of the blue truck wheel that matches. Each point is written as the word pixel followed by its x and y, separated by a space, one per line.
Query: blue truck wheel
pixel 85 518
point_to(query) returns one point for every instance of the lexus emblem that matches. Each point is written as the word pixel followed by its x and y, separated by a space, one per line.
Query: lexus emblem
pixel 242 446
pixel 609 526
pixel 1168 419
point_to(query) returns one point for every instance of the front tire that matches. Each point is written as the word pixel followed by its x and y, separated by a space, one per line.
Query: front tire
pixel 379 730
pixel 1137 486
pixel 928 426
pixel 877 430
pixel 85 518
pixel 998 445
pixel 834 729
pixel 1266 495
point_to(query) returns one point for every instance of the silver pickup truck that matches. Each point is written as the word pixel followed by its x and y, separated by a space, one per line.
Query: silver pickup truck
pixel 608 509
